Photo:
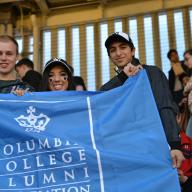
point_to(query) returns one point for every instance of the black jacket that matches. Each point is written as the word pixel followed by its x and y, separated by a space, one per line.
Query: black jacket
pixel 33 78
pixel 11 85
pixel 165 104
pixel 177 95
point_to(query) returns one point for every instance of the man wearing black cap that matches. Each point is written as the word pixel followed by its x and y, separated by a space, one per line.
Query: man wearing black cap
pixel 121 51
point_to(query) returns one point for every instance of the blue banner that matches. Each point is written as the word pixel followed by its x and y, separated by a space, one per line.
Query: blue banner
pixel 85 142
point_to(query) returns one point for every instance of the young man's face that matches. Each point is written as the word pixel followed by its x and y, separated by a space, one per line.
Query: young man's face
pixel 120 53
pixel 8 57
pixel 174 57
pixel 58 79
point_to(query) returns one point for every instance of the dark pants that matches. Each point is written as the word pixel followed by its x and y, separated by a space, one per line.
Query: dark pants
pixel 187 186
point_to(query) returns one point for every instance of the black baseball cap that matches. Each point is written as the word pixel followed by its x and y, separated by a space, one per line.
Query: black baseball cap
pixel 118 36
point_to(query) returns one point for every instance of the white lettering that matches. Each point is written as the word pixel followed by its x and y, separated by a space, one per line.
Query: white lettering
pixel 66 157
pixel 72 189
pixel 86 172
pixel 48 180
pixel 58 142
pixel 11 166
pixel 19 148
pixel 69 175
pixel 39 164
pixel 44 145
pixel 82 154
pixel 11 184
pixel 32 147
pixel 8 149
pixel 82 189
pixel 52 159
pixel 25 166
pixel 27 182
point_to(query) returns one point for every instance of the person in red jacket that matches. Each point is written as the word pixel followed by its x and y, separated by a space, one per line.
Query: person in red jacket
pixel 185 171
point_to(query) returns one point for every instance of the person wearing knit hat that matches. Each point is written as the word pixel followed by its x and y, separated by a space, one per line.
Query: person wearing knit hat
pixel 121 51
pixel 57 75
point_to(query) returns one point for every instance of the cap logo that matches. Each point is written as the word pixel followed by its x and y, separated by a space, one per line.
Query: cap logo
pixel 56 59
pixel 126 36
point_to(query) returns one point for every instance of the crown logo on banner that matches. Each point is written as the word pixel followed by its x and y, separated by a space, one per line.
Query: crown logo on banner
pixel 32 122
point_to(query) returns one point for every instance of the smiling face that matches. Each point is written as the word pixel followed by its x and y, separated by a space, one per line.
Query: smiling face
pixel 8 58
pixel 58 79
pixel 121 53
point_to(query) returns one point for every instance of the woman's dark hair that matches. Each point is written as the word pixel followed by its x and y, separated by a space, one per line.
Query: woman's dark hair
pixel 187 51
pixel 77 80
pixel 45 78
pixel 170 52
pixel 25 61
